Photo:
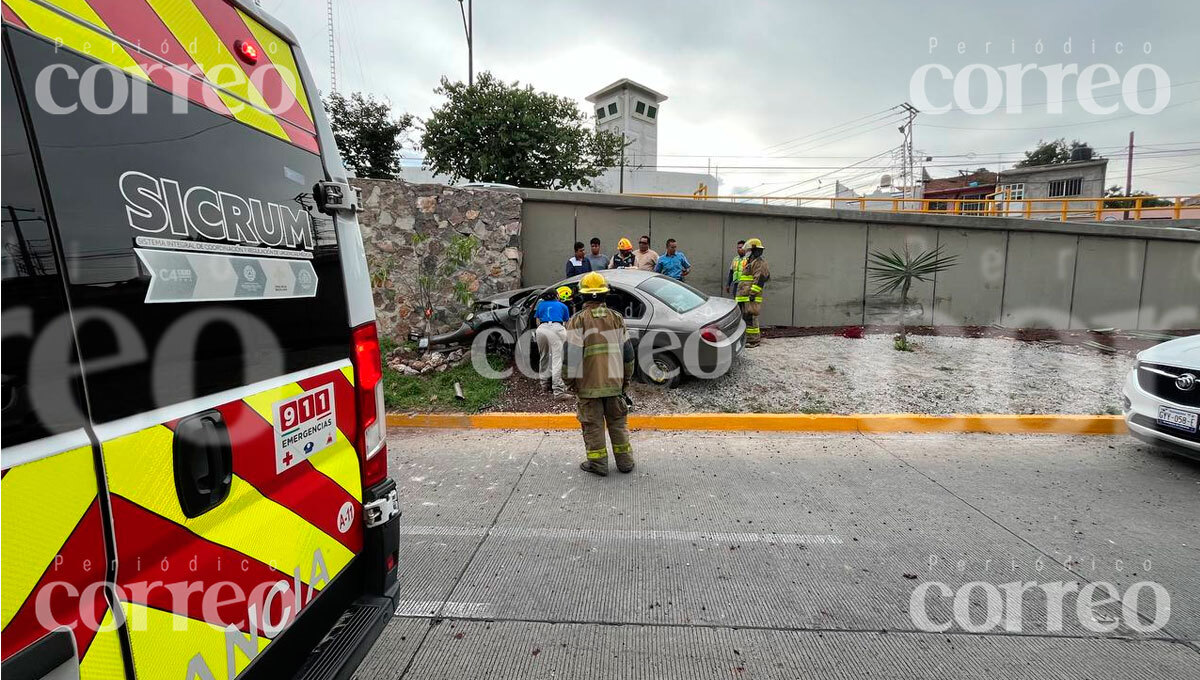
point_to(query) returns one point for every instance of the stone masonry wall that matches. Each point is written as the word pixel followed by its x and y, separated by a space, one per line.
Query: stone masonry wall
pixel 436 247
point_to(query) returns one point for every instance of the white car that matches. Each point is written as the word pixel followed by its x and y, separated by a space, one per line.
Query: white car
pixel 1162 396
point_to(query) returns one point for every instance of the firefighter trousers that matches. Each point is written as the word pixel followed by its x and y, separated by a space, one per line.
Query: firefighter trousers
pixel 600 414
pixel 750 312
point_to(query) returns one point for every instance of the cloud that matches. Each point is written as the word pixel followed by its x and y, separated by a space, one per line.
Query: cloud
pixel 744 76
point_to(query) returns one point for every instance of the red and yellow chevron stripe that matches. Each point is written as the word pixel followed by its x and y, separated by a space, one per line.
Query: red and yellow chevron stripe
pixel 52 545
pixel 187 47
pixel 245 568
pixel 273 528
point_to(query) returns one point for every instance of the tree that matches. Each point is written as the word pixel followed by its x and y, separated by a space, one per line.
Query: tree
pixel 368 135
pixel 1129 203
pixel 496 132
pixel 894 271
pixel 1047 153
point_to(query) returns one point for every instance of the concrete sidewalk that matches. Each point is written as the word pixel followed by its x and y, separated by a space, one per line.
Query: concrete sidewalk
pixel 782 555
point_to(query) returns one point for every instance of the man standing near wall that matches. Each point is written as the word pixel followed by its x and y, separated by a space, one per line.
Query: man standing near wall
pixel 735 269
pixel 673 263
pixel 598 259
pixel 644 257
pixel 754 275
pixel 579 264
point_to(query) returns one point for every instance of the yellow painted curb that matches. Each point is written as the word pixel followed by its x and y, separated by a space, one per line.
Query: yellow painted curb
pixel 990 423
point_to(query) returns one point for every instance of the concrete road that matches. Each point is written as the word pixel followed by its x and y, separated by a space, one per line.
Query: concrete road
pixel 782 556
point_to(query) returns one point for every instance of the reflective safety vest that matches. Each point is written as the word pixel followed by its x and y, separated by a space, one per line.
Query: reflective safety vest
pixel 751 278
pixel 735 266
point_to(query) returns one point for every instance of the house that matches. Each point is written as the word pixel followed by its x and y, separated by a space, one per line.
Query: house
pixel 632 110
pixel 1081 178
pixel 964 194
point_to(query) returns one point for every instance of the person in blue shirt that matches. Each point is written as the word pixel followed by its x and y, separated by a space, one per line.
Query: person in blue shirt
pixel 551 315
pixel 673 263
pixel 578 264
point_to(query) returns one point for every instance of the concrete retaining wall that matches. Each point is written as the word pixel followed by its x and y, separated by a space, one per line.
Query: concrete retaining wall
pixel 1013 272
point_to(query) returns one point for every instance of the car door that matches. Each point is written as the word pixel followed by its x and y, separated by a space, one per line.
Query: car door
pixel 55 560
pixel 212 323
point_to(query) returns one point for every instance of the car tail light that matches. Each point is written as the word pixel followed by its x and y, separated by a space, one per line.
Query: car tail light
pixel 710 334
pixel 368 393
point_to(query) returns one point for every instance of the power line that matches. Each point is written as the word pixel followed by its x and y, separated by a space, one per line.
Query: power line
pixel 848 133
pixel 818 132
pixel 819 177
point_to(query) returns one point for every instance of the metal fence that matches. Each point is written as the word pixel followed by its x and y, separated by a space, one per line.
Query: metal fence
pixel 1102 208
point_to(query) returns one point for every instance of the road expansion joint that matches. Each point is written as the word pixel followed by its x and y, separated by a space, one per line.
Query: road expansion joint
pixel 794 629
pixel 438 616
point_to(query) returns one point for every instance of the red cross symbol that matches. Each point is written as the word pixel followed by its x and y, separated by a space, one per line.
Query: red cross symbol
pixel 287 458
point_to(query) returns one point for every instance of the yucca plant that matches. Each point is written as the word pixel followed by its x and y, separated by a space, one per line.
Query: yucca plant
pixel 893 271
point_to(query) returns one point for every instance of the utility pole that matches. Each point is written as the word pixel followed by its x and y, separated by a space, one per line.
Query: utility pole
pixel 909 164
pixel 332 48
pixel 1129 167
pixel 468 18
pixel 621 183
pixel 1128 171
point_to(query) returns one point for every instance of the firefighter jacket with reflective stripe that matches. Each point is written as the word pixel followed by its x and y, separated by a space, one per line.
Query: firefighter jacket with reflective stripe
pixel 754 275
pixel 599 357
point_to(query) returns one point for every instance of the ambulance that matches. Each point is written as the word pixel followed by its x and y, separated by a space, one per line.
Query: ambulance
pixel 195 479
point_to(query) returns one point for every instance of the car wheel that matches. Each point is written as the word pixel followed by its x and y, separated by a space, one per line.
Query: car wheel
pixel 664 372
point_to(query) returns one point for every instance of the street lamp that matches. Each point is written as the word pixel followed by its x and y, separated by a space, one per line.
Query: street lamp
pixel 468 28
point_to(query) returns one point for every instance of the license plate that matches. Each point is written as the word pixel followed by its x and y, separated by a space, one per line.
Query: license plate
pixel 1180 420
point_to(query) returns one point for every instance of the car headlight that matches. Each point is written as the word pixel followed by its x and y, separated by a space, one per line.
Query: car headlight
pixel 470 315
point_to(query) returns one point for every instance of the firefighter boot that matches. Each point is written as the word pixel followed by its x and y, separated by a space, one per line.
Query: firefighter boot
pixel 591 421
pixel 616 412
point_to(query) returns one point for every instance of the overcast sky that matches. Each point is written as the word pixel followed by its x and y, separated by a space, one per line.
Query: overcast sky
pixel 754 84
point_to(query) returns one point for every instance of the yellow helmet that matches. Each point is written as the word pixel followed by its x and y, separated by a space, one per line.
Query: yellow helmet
pixel 564 293
pixel 593 283
pixel 753 243
pixel 624 244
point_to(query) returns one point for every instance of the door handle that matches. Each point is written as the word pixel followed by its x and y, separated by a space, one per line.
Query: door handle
pixel 203 462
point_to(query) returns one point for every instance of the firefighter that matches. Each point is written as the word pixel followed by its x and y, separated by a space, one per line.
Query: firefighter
pixel 753 276
pixel 598 369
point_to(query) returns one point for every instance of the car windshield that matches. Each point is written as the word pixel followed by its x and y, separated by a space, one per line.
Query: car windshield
pixel 678 296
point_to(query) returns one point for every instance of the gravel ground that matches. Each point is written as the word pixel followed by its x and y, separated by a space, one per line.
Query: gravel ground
pixel 826 374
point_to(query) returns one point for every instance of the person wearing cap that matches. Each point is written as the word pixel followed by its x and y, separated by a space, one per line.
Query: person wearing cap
pixel 551 316
pixel 624 258
pixel 753 276
pixel 598 369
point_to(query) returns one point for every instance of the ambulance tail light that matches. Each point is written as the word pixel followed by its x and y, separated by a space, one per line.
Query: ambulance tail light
pixel 372 415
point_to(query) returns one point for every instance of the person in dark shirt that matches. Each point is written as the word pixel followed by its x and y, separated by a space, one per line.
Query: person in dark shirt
pixel 624 258
pixel 578 264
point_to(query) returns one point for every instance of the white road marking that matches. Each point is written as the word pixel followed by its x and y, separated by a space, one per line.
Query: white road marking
pixel 626 535
pixel 568 493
